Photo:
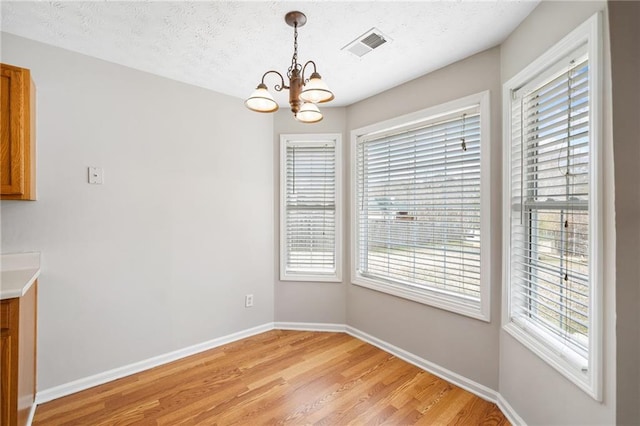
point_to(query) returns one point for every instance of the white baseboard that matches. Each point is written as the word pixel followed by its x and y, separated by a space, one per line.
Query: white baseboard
pixel 32 412
pixel 474 387
pixel 310 326
pixel 136 367
pixel 117 373
pixel 509 412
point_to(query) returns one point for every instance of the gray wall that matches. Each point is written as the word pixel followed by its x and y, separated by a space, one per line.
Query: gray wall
pixel 156 258
pixel 309 301
pixel 535 390
pixel 466 346
pixel 624 22
pixel 160 256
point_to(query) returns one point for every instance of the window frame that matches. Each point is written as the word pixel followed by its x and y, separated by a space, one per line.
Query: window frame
pixel 433 297
pixel 311 139
pixel 535 338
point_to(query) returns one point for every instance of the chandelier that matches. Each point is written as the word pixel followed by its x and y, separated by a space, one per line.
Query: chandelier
pixel 303 94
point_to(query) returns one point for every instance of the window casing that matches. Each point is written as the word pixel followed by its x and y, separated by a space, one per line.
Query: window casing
pixel 310 207
pixel 552 249
pixel 420 206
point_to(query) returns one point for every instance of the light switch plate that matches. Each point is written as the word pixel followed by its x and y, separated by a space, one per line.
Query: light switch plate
pixel 96 175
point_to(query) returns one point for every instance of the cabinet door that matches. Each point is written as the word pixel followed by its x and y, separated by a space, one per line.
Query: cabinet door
pixel 16 162
pixel 6 376
pixel 9 314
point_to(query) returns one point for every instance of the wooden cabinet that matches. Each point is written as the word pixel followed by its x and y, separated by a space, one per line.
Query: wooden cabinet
pixel 18 357
pixel 17 166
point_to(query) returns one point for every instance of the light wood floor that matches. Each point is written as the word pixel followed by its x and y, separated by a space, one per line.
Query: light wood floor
pixel 278 377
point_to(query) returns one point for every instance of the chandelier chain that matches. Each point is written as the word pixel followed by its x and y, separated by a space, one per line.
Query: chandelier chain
pixel 294 59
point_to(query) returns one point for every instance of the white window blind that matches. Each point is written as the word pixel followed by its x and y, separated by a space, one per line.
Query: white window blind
pixel 553 240
pixel 550 285
pixel 418 207
pixel 309 203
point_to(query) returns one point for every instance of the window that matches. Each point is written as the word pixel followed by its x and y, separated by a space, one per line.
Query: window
pixel 551 207
pixel 421 200
pixel 309 207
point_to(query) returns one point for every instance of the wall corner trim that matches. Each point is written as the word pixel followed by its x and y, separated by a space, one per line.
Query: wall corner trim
pixel 311 326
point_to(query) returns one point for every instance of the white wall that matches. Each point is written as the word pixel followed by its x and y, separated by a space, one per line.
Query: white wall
pixel 160 256
pixel 315 302
pixel 535 390
pixel 464 345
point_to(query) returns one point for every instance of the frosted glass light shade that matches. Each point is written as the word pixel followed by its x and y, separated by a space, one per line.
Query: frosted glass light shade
pixel 309 113
pixel 261 100
pixel 316 90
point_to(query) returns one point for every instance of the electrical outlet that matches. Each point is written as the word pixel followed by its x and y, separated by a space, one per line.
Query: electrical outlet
pixel 248 301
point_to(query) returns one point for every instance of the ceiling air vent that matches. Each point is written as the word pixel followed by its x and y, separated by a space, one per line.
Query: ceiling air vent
pixel 368 41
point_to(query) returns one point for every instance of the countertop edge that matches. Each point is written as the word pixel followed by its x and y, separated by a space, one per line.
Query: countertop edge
pixel 13 293
pixel 30 283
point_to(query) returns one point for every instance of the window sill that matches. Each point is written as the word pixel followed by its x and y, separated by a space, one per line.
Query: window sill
pixel 326 278
pixel 433 298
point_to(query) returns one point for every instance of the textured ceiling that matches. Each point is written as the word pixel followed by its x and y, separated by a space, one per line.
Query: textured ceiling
pixel 226 46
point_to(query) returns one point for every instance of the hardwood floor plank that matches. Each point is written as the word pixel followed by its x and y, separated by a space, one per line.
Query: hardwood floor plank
pixel 277 378
pixel 62 416
pixel 301 403
pixel 476 411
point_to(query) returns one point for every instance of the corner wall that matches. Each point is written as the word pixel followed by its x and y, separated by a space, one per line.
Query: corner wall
pixel 461 344
pixel 309 302
pixel 537 392
pixel 160 256
pixel 624 22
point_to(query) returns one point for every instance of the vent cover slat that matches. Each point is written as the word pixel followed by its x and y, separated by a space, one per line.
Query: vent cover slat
pixel 368 41
pixel 373 40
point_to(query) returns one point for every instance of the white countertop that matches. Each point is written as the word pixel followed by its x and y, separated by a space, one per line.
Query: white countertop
pixel 17 273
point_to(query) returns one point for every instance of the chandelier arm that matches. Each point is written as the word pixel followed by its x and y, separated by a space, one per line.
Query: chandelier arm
pixel 305 67
pixel 277 87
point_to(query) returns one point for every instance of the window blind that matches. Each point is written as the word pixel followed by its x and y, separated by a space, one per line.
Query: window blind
pixel 418 206
pixel 550 284
pixel 310 203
